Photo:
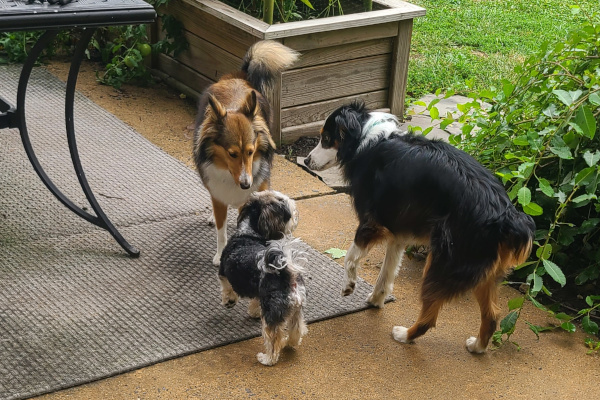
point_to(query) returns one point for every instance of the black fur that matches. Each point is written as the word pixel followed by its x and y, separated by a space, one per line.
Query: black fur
pixel 262 219
pixel 427 188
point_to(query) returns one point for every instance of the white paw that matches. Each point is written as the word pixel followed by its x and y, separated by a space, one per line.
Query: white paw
pixel 473 345
pixel 264 359
pixel 376 300
pixel 217 260
pixel 400 334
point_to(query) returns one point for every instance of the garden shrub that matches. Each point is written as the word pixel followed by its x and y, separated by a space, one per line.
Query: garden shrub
pixel 541 135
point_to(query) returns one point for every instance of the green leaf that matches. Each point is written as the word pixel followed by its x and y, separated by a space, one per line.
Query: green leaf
pixel 563 96
pixel 583 175
pixel 521 140
pixel 515 303
pixel 586 122
pixel 568 326
pixel 534 328
pixel 507 325
pixel 589 326
pixel 544 252
pixel 524 196
pixel 591 158
pixel 537 283
pixel 562 316
pixel 555 272
pixel 533 209
pixel 434 113
pixel 308 4
pixel 562 152
pixel 595 99
pixel 545 187
pixel 336 253
pixel 433 103
pixel 537 304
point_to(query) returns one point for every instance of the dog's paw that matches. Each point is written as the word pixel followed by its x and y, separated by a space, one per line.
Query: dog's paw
pixel 376 299
pixel 254 310
pixel 265 359
pixel 229 303
pixel 473 346
pixel 217 260
pixel 349 289
pixel 400 334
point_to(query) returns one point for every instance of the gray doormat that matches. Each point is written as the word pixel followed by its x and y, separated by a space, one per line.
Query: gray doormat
pixel 74 307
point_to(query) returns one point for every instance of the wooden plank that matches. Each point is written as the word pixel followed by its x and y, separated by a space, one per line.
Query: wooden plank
pixel 330 81
pixel 212 29
pixel 183 74
pixel 275 101
pixel 291 134
pixel 399 72
pixel 232 16
pixel 300 115
pixel 317 40
pixel 364 19
pixel 208 59
pixel 344 52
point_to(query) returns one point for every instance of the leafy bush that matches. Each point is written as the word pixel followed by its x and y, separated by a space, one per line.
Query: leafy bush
pixel 541 135
pixel 121 48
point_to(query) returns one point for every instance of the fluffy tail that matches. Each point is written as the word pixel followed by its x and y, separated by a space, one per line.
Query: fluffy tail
pixel 519 231
pixel 280 255
pixel 264 60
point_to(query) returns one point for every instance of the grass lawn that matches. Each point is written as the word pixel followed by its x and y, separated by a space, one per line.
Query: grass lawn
pixel 482 40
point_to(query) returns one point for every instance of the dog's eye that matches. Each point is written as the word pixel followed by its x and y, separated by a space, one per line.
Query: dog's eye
pixel 250 152
pixel 233 155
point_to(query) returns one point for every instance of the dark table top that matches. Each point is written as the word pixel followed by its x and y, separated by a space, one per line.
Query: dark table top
pixel 19 15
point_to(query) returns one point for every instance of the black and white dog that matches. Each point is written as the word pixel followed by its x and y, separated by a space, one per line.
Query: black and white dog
pixel 259 263
pixel 407 189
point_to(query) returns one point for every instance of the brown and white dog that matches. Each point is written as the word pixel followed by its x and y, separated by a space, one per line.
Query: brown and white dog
pixel 233 148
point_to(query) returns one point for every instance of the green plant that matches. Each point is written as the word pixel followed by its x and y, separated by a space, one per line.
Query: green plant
pixel 541 135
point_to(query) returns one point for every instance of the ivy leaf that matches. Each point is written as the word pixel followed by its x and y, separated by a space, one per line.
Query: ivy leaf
pixel 515 303
pixel 555 272
pixel 524 196
pixel 507 325
pixel 589 326
pixel 336 253
pixel 533 209
pixel 591 158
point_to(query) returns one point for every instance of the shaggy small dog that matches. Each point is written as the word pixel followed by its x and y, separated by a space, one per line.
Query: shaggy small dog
pixel 256 264
pixel 411 190
pixel 233 148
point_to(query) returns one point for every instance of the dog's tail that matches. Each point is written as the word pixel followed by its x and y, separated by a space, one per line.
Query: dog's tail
pixel 279 255
pixel 518 235
pixel 264 60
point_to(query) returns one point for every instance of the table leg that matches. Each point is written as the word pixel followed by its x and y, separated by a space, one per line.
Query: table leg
pixel 100 219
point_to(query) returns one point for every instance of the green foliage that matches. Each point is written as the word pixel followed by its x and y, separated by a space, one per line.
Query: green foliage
pixel 291 10
pixel 122 49
pixel 540 133
pixel 336 253
pixel 481 40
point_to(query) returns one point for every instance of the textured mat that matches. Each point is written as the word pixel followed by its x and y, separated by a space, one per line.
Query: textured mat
pixel 73 307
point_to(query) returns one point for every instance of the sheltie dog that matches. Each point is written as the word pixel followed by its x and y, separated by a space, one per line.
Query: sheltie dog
pixel 407 189
pixel 233 148
pixel 256 263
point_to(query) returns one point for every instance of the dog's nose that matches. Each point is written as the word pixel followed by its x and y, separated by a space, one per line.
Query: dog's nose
pixel 245 185
pixel 307 161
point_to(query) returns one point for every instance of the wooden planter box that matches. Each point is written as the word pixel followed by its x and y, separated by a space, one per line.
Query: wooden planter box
pixel 343 57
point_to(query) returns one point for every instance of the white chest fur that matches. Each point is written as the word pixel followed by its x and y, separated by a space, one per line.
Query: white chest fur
pixel 223 188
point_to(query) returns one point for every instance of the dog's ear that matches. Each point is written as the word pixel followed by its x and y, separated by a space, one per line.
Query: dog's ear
pixel 273 218
pixel 348 123
pixel 216 108
pixel 250 106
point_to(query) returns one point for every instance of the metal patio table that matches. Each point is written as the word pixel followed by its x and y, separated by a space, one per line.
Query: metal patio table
pixel 87 15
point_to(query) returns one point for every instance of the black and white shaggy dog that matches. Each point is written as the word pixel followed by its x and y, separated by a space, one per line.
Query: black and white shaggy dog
pixel 259 263
pixel 407 189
